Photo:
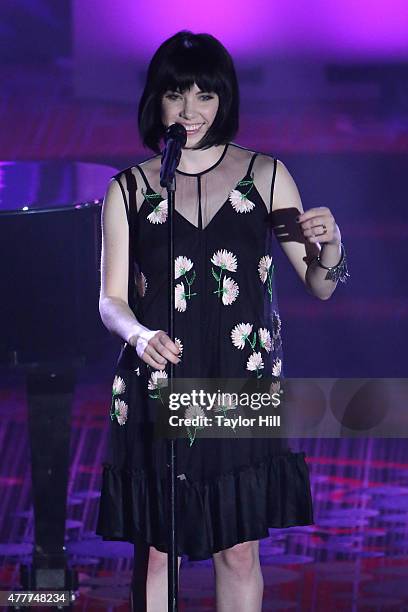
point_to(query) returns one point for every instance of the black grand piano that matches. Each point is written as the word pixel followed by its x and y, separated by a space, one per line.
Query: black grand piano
pixel 50 239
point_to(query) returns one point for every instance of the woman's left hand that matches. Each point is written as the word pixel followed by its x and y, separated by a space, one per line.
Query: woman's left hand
pixel 318 225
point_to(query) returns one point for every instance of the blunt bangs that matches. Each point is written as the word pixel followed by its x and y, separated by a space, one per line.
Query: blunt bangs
pixel 181 61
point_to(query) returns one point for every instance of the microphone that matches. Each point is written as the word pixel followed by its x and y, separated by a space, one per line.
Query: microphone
pixel 175 137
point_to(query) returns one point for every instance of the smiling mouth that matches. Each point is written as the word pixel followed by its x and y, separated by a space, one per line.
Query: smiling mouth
pixel 192 129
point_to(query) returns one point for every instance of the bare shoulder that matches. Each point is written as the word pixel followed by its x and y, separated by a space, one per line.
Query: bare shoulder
pixel 238 153
pixel 286 191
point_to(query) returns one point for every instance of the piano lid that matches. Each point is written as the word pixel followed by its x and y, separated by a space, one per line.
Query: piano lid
pixel 30 187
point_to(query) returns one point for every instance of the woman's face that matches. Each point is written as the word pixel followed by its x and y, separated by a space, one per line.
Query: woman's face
pixel 194 109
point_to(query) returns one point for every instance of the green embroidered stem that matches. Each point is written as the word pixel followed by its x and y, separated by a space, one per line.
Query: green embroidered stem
pixel 113 412
pixel 152 196
pixel 224 409
pixel 244 184
pixel 218 278
pixel 157 395
pixel 189 283
pixel 191 436
pixel 112 408
pixel 269 280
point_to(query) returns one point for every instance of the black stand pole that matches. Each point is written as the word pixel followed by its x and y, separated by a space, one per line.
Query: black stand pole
pixel 172 561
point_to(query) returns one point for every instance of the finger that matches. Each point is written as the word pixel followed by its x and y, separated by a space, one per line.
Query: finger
pixel 155 354
pixel 314 233
pixel 169 344
pixel 312 212
pixel 162 350
pixel 152 362
pixel 315 221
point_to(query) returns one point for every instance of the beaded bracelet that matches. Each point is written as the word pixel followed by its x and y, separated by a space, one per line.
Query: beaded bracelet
pixel 339 272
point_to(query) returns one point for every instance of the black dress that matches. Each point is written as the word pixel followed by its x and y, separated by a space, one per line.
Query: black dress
pixel 227 323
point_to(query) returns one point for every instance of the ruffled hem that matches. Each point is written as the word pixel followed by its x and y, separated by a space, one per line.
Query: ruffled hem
pixel 235 507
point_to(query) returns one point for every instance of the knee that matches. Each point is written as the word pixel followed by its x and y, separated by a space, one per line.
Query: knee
pixel 158 561
pixel 241 559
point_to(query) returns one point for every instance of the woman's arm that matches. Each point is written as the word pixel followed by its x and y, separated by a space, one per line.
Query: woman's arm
pixel 302 252
pixel 154 346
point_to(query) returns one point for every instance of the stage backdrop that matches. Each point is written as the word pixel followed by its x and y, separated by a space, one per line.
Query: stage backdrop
pixel 280 46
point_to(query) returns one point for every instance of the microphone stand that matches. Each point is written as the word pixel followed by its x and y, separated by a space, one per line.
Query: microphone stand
pixel 172 561
pixel 168 180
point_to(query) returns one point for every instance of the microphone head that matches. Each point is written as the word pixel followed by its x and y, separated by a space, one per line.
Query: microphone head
pixel 177 132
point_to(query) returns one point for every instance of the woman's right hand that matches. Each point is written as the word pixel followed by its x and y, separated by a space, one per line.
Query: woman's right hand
pixel 155 348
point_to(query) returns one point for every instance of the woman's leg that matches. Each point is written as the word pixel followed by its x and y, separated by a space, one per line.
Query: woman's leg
pixel 149 583
pixel 238 578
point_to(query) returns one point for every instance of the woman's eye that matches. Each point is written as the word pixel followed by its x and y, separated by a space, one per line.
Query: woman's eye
pixel 172 96
pixel 206 97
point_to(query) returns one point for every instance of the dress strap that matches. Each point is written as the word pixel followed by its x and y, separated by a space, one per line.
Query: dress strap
pixel 275 163
pixel 251 164
pixel 125 202
pixel 131 185
pixel 144 177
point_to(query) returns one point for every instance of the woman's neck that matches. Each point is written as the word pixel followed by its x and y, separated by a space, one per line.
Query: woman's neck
pixel 195 161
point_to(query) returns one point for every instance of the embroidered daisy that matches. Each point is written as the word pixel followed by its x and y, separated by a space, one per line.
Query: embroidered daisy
pixel 240 333
pixel 141 284
pixel 194 411
pixel 263 267
pixel 121 411
pixel 230 291
pixel 264 339
pixel 255 362
pixel 225 260
pixel 159 213
pixel 276 325
pixel 240 202
pixel 179 345
pixel 118 386
pixel 276 367
pixel 157 380
pixel 181 266
pixel 180 298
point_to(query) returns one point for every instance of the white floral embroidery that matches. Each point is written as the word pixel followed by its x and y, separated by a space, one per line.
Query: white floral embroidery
pixel 265 339
pixel 240 333
pixel 276 367
pixel 118 386
pixel 276 325
pixel 225 260
pixel 240 202
pixel 121 411
pixel 180 298
pixel 194 411
pixel 137 371
pixel 141 283
pixel 179 345
pixel 255 362
pixel 263 267
pixel 181 266
pixel 191 412
pixel 159 213
pixel 230 290
pixel 157 380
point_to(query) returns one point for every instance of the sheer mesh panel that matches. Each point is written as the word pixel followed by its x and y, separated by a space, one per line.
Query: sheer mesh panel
pixel 216 183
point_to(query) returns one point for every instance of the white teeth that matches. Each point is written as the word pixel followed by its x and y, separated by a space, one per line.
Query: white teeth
pixel 192 128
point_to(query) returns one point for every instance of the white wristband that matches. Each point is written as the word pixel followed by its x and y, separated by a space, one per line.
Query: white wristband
pixel 143 337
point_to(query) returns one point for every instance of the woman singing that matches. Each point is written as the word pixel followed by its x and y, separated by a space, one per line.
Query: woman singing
pixel 230 490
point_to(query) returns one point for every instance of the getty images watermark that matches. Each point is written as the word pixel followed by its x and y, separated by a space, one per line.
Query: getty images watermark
pixel 198 402
pixel 283 408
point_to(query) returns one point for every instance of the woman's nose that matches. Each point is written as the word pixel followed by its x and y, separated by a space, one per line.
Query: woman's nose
pixel 188 108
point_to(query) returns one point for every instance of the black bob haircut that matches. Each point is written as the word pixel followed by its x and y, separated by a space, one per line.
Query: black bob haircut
pixel 179 62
